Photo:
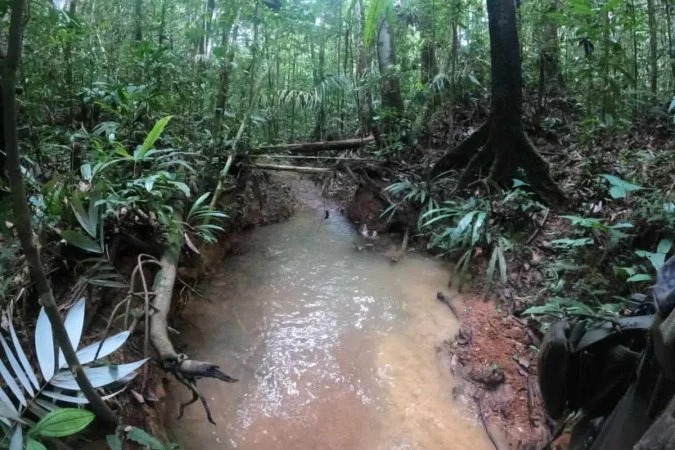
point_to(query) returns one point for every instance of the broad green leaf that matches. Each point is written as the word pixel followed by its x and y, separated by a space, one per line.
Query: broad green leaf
pixel 664 246
pixel 62 422
pixel 114 442
pixel 99 376
pixel 82 216
pixel 154 134
pixel 44 345
pixel 144 438
pixel 639 277
pixel 80 240
pixel 32 444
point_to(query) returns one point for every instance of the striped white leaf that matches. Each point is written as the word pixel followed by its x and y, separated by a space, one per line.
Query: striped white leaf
pixel 99 376
pixel 87 354
pixel 16 443
pixel 28 369
pixel 7 408
pixel 74 323
pixel 44 345
pixel 11 384
pixel 79 400
pixel 18 370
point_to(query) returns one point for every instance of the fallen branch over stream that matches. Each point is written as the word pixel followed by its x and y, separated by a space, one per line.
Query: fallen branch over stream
pixel 311 147
pixel 186 370
pixel 300 169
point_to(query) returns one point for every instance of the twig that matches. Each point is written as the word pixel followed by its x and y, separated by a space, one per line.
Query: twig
pixel 539 227
pixel 193 290
pixel 485 425
pixel 441 297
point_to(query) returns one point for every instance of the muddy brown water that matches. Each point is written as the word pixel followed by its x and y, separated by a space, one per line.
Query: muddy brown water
pixel 334 348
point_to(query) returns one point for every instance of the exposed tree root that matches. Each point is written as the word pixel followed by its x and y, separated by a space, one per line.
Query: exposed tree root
pixel 463 153
pixel 503 151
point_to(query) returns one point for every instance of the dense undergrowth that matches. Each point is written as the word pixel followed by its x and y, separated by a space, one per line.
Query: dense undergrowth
pixel 585 259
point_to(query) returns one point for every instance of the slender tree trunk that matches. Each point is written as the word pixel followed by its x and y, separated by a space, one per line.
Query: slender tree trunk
pixel 138 25
pixel 550 74
pixel 653 48
pixel 225 68
pixel 320 122
pixel 162 24
pixel 8 68
pixel 501 144
pixel 364 97
pixel 392 101
pixel 671 43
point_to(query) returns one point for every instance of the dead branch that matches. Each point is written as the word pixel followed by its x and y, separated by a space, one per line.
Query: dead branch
pixel 441 297
pixel 291 168
pixel 185 370
pixel 327 158
pixel 311 147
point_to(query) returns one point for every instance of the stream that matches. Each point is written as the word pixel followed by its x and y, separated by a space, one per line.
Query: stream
pixel 334 348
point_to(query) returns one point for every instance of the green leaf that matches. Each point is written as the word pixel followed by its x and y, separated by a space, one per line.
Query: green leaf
pixel 619 188
pixel 82 216
pixel 80 240
pixel 32 444
pixel 62 422
pixel 664 246
pixel 114 442
pixel 143 438
pixel 639 277
pixel 154 134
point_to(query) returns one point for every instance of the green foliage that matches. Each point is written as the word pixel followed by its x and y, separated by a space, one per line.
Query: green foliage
pixel 618 187
pixel 139 437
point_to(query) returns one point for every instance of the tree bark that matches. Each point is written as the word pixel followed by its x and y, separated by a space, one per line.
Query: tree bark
pixel 653 48
pixel 138 23
pixel 501 145
pixel 392 101
pixel 364 98
pixel 9 67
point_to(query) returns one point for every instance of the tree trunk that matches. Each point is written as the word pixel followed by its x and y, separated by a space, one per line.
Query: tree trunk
pixel 671 44
pixel 363 96
pixel 392 102
pixel 224 82
pixel 550 74
pixel 653 48
pixel 501 144
pixel 138 25
pixel 8 68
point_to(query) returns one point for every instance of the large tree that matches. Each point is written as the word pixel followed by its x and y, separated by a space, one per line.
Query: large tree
pixel 500 145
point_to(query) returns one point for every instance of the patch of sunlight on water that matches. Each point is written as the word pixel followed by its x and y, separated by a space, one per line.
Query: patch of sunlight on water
pixel 334 349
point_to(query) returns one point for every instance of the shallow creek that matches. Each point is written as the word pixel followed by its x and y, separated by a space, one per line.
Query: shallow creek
pixel 334 348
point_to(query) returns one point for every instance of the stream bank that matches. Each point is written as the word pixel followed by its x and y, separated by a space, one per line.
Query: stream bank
pixel 334 347
pixel 509 410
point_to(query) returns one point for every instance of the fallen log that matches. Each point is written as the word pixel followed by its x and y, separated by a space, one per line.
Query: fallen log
pixel 327 158
pixel 186 370
pixel 311 147
pixel 291 168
